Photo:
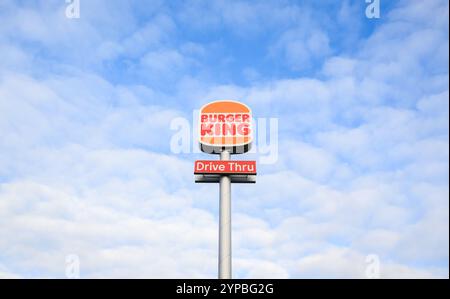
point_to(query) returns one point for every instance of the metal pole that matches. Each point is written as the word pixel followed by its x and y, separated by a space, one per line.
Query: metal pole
pixel 225 223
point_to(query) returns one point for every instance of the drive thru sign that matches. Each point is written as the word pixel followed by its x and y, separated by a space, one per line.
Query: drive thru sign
pixel 224 167
pixel 225 128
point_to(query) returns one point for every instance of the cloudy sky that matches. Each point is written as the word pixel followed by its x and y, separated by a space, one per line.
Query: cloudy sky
pixel 87 171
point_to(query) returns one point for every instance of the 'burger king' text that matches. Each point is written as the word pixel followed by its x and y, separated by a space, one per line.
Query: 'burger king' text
pixel 225 124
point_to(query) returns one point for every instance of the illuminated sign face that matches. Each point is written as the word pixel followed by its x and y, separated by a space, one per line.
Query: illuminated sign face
pixel 225 124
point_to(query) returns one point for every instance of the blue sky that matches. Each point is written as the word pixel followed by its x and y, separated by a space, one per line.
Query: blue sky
pixel 85 160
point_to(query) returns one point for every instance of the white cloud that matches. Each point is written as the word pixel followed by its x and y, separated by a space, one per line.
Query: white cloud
pixel 342 262
pixel 162 61
pixel 301 48
pixel 339 66
pixel 84 167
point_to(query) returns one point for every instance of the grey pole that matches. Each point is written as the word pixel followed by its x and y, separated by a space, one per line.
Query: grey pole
pixel 225 223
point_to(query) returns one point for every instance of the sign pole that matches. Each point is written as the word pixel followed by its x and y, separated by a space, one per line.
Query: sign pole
pixel 225 223
pixel 225 128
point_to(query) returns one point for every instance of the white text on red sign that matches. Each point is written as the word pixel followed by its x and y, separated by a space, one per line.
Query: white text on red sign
pixel 224 167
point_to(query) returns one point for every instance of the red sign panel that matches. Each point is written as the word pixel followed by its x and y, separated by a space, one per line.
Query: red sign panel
pixel 224 167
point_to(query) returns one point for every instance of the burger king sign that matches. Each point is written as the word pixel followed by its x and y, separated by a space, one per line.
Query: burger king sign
pixel 225 125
